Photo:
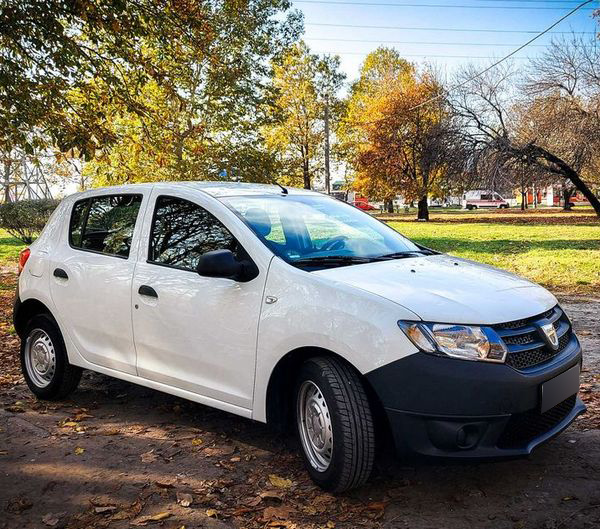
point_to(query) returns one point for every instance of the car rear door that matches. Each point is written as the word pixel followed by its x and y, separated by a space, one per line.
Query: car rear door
pixel 91 273
pixel 191 332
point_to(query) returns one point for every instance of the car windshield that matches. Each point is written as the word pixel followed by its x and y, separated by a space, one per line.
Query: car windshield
pixel 313 230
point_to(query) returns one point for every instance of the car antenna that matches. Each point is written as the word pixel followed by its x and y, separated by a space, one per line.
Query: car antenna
pixel 283 189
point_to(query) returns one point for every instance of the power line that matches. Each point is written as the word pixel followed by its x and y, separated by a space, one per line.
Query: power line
pixel 437 6
pixel 460 30
pixel 424 55
pixel 491 44
pixel 506 57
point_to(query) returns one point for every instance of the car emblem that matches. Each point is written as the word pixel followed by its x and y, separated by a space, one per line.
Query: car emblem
pixel 551 336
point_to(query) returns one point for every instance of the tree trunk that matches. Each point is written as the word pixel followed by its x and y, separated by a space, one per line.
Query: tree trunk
pixel 306 169
pixel 572 175
pixel 567 194
pixel 7 181
pixel 423 209
pixel 327 169
pixel 523 199
pixel 388 206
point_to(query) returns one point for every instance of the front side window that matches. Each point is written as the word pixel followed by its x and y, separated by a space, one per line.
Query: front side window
pixel 182 231
pixel 105 224
pixel 308 229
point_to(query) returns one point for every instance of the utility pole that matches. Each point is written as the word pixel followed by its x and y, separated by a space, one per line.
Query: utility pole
pixel 327 169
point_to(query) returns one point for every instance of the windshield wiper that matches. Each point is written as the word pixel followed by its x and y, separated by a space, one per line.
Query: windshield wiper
pixel 404 255
pixel 334 259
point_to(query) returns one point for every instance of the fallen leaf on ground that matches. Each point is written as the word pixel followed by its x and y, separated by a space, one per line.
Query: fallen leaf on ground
pixel 112 431
pixel 216 451
pixel 197 442
pixel 212 513
pixel 164 484
pixel 184 499
pixel 104 509
pixel 15 409
pixel 278 481
pixel 282 512
pixel 78 450
pixel 149 457
pixel 271 495
pixel 52 519
pixel 151 518
pixel 253 502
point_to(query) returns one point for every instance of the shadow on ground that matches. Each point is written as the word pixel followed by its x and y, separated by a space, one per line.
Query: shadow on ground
pixel 121 449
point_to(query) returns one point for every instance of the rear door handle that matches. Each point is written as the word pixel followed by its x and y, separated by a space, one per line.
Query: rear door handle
pixel 59 272
pixel 145 290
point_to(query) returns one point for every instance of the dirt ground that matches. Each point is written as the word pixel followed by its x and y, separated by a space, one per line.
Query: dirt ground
pixel 117 455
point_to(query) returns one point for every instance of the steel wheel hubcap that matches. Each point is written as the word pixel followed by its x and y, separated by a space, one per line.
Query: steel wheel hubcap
pixel 314 425
pixel 40 358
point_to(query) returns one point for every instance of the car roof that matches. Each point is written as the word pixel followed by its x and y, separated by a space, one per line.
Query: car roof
pixel 215 189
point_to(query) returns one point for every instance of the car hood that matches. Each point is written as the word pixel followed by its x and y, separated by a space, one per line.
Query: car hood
pixel 441 288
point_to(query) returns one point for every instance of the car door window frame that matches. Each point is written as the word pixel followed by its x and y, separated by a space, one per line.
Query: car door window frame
pixel 241 248
pixel 86 214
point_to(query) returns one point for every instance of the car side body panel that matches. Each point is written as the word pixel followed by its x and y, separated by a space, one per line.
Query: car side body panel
pixel 306 310
pixel 200 334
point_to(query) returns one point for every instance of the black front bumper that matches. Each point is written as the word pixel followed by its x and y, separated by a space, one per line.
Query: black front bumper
pixel 444 407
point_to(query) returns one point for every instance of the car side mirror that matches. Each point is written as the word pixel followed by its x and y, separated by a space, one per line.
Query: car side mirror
pixel 222 263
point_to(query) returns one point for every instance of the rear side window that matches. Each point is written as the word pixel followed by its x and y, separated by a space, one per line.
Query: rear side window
pixel 182 231
pixel 105 224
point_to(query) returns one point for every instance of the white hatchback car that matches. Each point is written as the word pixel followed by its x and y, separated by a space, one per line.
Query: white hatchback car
pixel 293 307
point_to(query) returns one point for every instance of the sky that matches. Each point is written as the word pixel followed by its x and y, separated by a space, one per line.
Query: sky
pixel 340 27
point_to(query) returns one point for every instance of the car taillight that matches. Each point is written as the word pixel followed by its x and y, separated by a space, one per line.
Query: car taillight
pixel 23 256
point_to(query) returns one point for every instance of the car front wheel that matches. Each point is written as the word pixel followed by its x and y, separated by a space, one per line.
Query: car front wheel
pixel 335 424
pixel 44 361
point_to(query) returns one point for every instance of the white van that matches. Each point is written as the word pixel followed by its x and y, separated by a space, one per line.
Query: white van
pixel 484 199
pixel 291 307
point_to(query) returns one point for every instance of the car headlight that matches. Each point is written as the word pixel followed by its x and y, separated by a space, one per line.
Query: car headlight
pixel 469 342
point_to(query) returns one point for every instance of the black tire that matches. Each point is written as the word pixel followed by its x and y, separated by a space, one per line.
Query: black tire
pixel 353 444
pixel 65 377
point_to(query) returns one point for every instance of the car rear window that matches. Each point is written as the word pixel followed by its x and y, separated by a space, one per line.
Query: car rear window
pixel 104 224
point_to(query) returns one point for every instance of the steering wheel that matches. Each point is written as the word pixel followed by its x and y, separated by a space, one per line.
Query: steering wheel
pixel 337 243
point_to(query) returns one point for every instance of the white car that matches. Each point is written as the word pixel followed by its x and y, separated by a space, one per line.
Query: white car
pixel 484 199
pixel 296 308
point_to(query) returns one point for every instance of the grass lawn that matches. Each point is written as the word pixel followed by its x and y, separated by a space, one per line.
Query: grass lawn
pixel 561 256
pixel 9 249
pixel 558 250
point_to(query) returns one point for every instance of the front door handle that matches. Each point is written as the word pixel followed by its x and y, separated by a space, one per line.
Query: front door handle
pixel 145 290
pixel 60 273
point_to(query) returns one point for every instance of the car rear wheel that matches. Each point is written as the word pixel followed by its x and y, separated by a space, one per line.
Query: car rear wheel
pixel 335 424
pixel 44 361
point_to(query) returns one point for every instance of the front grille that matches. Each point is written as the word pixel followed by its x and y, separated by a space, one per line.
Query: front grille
pixel 522 428
pixel 524 338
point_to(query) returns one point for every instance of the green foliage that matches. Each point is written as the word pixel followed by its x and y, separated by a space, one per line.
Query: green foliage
pixel 304 84
pixel 9 248
pixel 26 219
pixel 210 57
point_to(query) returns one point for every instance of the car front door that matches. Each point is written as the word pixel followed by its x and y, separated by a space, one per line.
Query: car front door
pixel 191 332
pixel 90 278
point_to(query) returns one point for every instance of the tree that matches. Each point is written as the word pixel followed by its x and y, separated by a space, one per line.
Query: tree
pixel 305 88
pixel 554 128
pixel 329 81
pixel 211 55
pixel 380 67
pixel 401 131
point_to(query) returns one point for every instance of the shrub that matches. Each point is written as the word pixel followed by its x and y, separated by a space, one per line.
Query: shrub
pixel 26 219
